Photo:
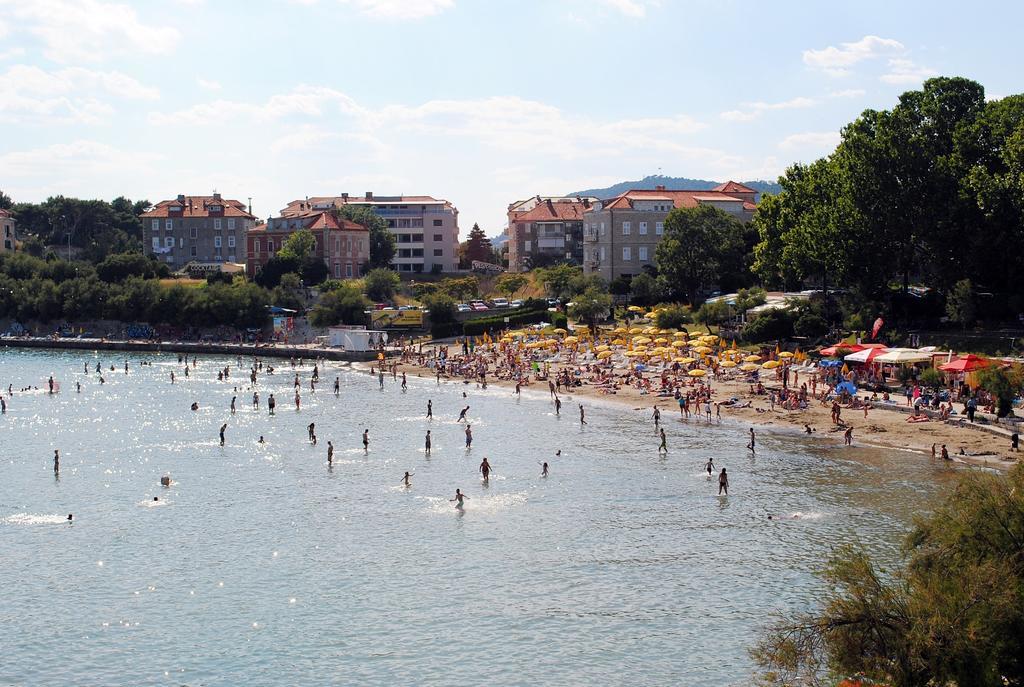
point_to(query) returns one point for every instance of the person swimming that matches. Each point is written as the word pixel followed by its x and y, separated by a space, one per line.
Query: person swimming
pixel 195 406
pixel 261 441
pixel 459 496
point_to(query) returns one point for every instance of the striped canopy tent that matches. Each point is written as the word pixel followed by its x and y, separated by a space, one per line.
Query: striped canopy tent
pixel 865 355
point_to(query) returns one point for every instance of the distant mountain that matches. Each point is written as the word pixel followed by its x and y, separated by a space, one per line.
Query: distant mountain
pixel 673 184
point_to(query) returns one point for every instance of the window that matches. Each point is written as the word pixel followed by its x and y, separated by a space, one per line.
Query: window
pixel 156 243
pixel 169 242
pixel 169 224
pixel 417 238
pixel 659 228
pixel 337 270
pixel 602 253
pixel 231 224
pixel 348 269
pixel 526 246
pixel 156 225
pixel 231 242
pixel 270 245
pixel 416 222
pixel 626 228
pixel 193 251
pixel 438 223
pixel 439 237
pixel 256 246
pixel 403 224
pixel 181 242
pixel 217 241
pixel 643 228
pixel 641 253
pixel 404 253
pixel 602 228
pixel 439 252
pixel 627 253
pixel 193 232
pixel 217 223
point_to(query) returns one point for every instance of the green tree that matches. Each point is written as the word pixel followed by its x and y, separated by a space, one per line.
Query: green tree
pixel 644 290
pixel 476 247
pixel 300 245
pixel 673 317
pixel 382 241
pixel 961 306
pixel 559 280
pixel 380 284
pixel 696 242
pixel 950 614
pixel 592 306
pixel 713 313
pixel 441 307
pixel 5 201
pixel 343 305
pixel 1005 384
pixel 509 283
pixel 117 268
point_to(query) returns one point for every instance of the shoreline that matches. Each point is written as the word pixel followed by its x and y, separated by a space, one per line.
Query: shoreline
pixel 196 347
pixel 884 428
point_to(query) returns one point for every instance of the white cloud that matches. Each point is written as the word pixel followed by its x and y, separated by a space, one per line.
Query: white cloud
pixel 847 93
pixel 822 141
pixel 303 100
pixel 208 85
pixel 88 30
pixel 754 110
pixel 907 73
pixel 631 8
pixel 72 162
pixel 34 95
pixel 837 61
pixel 400 9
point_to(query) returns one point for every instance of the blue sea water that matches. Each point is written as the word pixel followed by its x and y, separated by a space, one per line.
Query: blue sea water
pixel 259 565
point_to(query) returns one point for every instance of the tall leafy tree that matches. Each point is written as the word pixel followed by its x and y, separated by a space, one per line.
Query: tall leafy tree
pixel 382 241
pixel 477 247
pixel 696 243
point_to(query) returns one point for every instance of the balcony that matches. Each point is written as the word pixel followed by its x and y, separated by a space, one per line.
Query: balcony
pixel 590 236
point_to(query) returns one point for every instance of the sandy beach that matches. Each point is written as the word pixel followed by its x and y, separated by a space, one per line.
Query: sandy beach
pixel 884 426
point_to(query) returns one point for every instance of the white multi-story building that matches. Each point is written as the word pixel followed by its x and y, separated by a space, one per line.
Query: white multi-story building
pixel 426 229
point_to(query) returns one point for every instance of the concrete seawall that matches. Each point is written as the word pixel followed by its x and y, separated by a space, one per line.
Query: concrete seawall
pixel 195 348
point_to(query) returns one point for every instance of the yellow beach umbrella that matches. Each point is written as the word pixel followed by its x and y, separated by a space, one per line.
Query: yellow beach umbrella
pixel 703 350
pixel 635 308
pixel 785 354
pixel 602 348
pixel 710 337
pixel 620 330
pixel 636 330
pixel 661 340
pixel 771 364
pixel 752 359
pixel 748 367
pixel 618 342
pixel 604 355
pixel 686 361
pixel 571 339
pixel 559 330
pixel 728 363
pixel 641 341
pixel 696 373
pixel 678 344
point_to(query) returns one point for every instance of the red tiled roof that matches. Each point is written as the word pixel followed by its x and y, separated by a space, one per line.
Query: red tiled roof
pixel 554 211
pixel 198 206
pixel 305 207
pixel 5 213
pixel 680 199
pixel 733 187
pixel 326 220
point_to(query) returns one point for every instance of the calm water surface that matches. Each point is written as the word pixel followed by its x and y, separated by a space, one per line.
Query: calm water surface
pixel 262 567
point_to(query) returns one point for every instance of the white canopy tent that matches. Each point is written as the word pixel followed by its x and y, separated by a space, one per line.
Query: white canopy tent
pixel 904 356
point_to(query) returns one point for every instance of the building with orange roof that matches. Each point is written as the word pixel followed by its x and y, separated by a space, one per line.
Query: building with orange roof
pixel 545 229
pixel 426 229
pixel 344 246
pixel 10 237
pixel 621 234
pixel 196 229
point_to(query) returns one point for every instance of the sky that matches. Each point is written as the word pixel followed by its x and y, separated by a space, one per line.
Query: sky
pixel 480 102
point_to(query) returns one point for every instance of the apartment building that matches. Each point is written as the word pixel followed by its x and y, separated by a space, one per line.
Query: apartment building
pixel 344 246
pixel 544 230
pixel 621 234
pixel 203 229
pixel 426 229
pixel 7 232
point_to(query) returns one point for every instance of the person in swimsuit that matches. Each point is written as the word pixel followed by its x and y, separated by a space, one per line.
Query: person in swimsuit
pixel 261 441
pixel 723 483
pixel 330 453
pixel 233 398
pixel 582 415
pixel 271 403
pixel 426 443
pixel 337 385
pixel 462 415
pixel 663 448
pixel 56 462
pixel 459 496
pixel 558 406
pixel 430 409
pixel 366 440
pixel 222 428
pixel 945 453
pixel 656 417
pixel 751 444
pixel 848 436
pixel 710 467
pixel 405 479
pixel 469 436
pixel 544 470
pixel 485 470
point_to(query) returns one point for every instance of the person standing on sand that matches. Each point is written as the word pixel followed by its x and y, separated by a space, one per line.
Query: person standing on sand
pixel 723 483
pixel 848 435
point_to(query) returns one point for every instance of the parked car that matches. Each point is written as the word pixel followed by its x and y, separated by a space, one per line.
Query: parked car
pixel 517 303
pixel 409 307
pixel 479 305
pixel 500 302
pixel 464 307
pixel 554 302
